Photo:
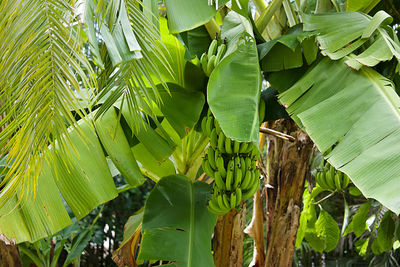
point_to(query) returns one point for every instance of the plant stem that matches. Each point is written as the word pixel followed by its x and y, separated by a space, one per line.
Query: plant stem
pixel 260 5
pixel 267 14
pixel 31 255
pixel 277 134
pixel 213 28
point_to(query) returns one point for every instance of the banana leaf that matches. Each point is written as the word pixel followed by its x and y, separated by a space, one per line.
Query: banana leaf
pixel 340 34
pixel 176 225
pixel 357 112
pixel 234 91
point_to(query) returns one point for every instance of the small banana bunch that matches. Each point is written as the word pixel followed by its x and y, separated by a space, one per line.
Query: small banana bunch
pixel 232 165
pixel 213 57
pixel 329 178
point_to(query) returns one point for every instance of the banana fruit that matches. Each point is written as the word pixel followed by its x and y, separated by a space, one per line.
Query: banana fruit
pixel 327 177
pixel 232 164
pixel 210 59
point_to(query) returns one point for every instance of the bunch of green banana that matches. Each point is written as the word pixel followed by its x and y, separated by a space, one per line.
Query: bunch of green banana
pixel 232 164
pixel 214 55
pixel 327 177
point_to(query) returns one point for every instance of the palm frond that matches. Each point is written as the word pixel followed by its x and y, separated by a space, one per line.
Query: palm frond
pixel 41 68
pixel 134 48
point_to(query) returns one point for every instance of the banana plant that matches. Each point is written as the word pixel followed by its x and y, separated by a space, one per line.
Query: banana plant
pixel 134 98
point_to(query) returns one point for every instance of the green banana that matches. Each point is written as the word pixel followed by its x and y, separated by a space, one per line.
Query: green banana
pixel 242 164
pixel 220 53
pixel 214 139
pixel 248 163
pixel 321 180
pixel 238 175
pixel 330 180
pixel 238 196
pixel 338 180
pixel 221 143
pixel 228 145
pixel 249 193
pixel 212 49
pixel 209 125
pixel 204 61
pixel 254 164
pixel 207 168
pixel 229 175
pixel 210 65
pixel 247 178
pixel 346 181
pixel 203 124
pixel 220 165
pixel 227 203
pixel 220 201
pixel 233 200
pixel 254 152
pixel 261 110
pixel 219 181
pixel 214 208
pixel 236 146
pixel 217 126
pixel 211 157
pixel 243 147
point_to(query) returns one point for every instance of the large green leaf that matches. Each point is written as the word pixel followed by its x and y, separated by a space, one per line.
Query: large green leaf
pixel 176 223
pixel 233 91
pixel 189 14
pixel 359 112
pixel 359 224
pixel 342 33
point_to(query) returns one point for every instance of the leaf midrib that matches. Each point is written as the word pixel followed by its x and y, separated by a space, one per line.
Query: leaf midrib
pixel 191 226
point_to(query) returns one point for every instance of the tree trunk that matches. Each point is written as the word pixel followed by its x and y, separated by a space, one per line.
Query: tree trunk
pixel 228 239
pixel 288 165
pixel 9 255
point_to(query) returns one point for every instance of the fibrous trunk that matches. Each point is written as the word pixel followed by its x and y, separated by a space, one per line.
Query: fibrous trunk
pixel 288 166
pixel 228 239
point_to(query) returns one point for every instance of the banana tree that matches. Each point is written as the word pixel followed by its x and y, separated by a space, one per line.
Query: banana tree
pixel 119 90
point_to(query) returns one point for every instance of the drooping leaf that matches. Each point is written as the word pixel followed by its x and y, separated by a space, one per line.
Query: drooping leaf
pixel 154 168
pixel 326 229
pixel 358 224
pixel 362 246
pixel 114 141
pixel 181 107
pixel 79 243
pixel 366 147
pixel 234 89
pixel 196 41
pixel 385 235
pixel 176 216
pixel 125 254
pixel 285 52
pixel 189 14
pixel 355 30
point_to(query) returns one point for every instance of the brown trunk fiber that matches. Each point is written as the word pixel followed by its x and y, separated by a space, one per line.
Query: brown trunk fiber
pixel 287 169
pixel 9 255
pixel 228 239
